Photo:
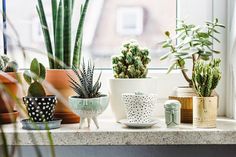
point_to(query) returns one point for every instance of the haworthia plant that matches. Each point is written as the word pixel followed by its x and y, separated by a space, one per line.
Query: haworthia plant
pixel 85 87
pixel 60 53
pixel 34 77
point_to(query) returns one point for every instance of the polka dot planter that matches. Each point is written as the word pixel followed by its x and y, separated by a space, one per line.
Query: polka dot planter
pixel 40 109
pixel 139 107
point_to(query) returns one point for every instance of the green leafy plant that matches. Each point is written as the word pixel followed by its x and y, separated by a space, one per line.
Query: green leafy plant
pixel 60 50
pixel 34 77
pixel 206 77
pixel 132 63
pixel 85 87
pixel 6 65
pixel 193 43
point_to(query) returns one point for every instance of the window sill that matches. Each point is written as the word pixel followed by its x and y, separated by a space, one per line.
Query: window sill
pixel 111 133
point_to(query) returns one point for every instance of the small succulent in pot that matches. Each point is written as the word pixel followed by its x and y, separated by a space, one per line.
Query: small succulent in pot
pixel 40 106
pixel 6 65
pixel 132 63
pixel 89 102
pixel 205 78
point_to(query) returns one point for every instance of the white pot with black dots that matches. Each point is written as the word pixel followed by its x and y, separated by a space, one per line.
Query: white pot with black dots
pixel 139 107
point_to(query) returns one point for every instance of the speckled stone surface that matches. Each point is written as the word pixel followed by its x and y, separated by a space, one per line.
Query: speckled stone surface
pixel 112 133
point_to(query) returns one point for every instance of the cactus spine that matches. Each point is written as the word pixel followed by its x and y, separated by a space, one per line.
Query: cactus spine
pixel 132 63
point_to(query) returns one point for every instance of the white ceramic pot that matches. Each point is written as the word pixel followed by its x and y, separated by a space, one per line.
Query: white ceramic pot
pixel 139 107
pixel 119 86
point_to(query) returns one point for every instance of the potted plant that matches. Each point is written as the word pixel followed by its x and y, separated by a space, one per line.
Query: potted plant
pixel 40 106
pixel 60 54
pixel 8 82
pixel 89 102
pixel 191 44
pixel 205 79
pixel 130 71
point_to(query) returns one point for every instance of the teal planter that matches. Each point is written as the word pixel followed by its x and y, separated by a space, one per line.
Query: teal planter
pixel 172 113
pixel 88 108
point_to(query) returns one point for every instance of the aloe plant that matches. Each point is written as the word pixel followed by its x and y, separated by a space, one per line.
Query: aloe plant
pixel 60 53
pixel 85 87
pixel 34 77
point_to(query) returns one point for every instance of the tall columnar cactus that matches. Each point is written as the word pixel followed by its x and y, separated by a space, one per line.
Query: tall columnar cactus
pixel 34 77
pixel 206 77
pixel 6 65
pixel 60 53
pixel 132 63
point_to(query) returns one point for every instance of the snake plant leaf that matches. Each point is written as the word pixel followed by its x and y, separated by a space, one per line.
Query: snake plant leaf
pixel 35 69
pixel 59 37
pixel 67 32
pixel 79 34
pixel 27 77
pixel 42 74
pixel 46 34
pixel 54 15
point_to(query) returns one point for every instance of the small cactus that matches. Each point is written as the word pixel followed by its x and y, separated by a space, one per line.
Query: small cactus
pixel 6 65
pixel 34 77
pixel 132 63
pixel 206 77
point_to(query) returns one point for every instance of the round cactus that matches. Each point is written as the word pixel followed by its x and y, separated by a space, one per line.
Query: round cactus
pixel 132 63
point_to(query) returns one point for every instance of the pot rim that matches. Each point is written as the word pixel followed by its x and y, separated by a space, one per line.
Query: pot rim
pixel 200 97
pixel 76 97
pixel 131 79
pixel 143 94
pixel 48 69
pixel 47 96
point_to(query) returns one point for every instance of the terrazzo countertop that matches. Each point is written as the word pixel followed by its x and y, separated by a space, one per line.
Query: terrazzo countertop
pixel 112 133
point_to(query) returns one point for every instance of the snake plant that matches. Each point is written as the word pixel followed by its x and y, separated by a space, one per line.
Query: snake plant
pixel 85 87
pixel 60 53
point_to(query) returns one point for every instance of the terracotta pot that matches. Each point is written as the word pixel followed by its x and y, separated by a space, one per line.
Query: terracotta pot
pixel 7 104
pixel 204 112
pixel 10 82
pixel 60 82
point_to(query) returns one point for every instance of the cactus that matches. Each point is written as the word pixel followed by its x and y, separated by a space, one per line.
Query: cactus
pixel 206 77
pixel 85 88
pixel 34 77
pixel 6 65
pixel 132 63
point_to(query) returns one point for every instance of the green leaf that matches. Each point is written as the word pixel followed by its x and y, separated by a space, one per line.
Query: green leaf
pixel 165 56
pixel 34 68
pixel 59 37
pixel 171 68
pixel 67 32
pixel 46 34
pixel 54 16
pixel 27 77
pixel 36 90
pixel 42 72
pixel 79 34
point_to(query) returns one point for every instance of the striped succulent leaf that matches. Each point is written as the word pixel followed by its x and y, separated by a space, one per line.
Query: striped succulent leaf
pixel 84 86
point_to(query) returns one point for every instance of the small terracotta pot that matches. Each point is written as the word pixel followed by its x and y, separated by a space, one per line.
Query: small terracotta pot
pixel 59 80
pixel 204 112
pixel 9 80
